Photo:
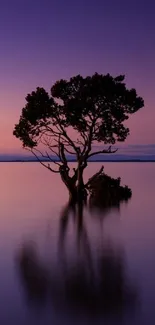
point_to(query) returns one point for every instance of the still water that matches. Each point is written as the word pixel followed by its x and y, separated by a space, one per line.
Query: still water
pixel 57 268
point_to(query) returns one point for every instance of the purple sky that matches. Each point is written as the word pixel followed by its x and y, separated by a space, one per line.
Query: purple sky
pixel 44 40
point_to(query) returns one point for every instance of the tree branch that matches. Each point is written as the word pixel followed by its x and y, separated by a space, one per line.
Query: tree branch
pixel 88 142
pixel 102 151
pixel 63 156
pixel 67 137
pixel 41 162
pixel 55 162
pixel 94 176
pixel 70 152
pixel 46 143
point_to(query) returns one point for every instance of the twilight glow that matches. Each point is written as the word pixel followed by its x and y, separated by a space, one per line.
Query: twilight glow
pixel 43 40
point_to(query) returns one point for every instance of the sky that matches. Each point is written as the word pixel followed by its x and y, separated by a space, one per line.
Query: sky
pixel 42 41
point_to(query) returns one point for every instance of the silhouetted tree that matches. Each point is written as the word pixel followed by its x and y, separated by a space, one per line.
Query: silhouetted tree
pixel 94 107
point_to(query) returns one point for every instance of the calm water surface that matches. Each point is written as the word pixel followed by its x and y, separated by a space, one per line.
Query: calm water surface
pixel 57 268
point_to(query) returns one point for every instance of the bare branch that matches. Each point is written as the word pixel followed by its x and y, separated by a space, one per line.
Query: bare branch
pixel 46 143
pixel 102 151
pixel 53 131
pixel 54 161
pixel 84 136
pixel 66 136
pixel 80 142
pixel 70 152
pixel 41 162
pixel 88 142
pixel 51 149
pixel 57 163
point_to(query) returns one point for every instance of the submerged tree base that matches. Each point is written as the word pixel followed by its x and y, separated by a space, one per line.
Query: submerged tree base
pixel 106 191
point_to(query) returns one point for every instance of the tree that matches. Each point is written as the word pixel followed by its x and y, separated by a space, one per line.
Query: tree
pixel 94 108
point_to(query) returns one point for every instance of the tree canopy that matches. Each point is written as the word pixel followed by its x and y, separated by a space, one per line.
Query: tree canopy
pixel 94 107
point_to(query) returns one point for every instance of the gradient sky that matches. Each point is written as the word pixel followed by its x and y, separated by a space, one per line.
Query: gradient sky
pixel 44 40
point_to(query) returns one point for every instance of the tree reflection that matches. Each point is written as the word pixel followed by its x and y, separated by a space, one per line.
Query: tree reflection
pixel 92 282
pixel 32 274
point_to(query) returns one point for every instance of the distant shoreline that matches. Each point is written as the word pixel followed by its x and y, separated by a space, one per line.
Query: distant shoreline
pixel 90 161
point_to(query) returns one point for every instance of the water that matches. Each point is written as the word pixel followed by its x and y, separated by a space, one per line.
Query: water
pixel 57 269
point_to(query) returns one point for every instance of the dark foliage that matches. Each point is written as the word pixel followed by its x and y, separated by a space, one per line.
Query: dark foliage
pixel 106 191
pixel 95 107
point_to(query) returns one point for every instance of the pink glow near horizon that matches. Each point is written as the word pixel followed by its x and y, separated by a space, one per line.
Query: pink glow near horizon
pixel 141 125
pixel 50 51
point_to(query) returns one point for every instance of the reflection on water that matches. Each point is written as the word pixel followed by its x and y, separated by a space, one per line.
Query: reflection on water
pixel 33 275
pixel 86 282
pixel 65 246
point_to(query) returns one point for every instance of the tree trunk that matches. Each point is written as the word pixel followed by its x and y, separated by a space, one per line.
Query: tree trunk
pixel 72 196
pixel 81 191
pixel 74 184
pixel 70 183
